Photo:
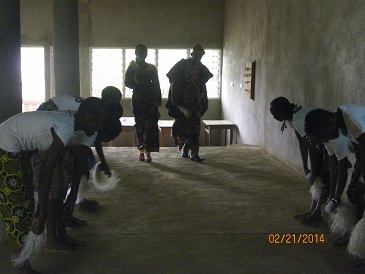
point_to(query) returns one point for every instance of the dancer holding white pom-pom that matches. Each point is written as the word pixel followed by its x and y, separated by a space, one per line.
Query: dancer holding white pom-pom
pixel 20 136
pixel 283 110
pixel 350 121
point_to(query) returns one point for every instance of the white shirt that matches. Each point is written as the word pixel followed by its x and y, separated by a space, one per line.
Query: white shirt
pixel 341 147
pixel 299 120
pixel 67 102
pixel 29 131
pixel 354 118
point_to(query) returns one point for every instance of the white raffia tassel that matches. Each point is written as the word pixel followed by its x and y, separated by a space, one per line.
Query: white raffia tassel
pixel 84 189
pixel 32 246
pixel 356 246
pixel 343 219
pixel 101 181
pixel 316 189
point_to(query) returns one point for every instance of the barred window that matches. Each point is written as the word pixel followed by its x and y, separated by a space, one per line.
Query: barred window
pixel 109 66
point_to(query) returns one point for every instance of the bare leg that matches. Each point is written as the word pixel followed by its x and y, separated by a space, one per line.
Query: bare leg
pixel 54 242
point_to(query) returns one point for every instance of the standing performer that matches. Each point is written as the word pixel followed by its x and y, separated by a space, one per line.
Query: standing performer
pixel 142 77
pixel 188 101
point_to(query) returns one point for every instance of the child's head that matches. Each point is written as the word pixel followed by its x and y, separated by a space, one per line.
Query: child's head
pixel 320 124
pixel 91 115
pixel 111 94
pixel 110 131
pixel 141 52
pixel 282 109
pixel 112 126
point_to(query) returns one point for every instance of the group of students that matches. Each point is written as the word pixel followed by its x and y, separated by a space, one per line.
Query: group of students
pixel 327 139
pixel 187 102
pixel 48 151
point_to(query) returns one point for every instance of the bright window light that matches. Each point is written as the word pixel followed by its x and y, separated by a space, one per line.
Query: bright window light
pixel 106 70
pixel 109 67
pixel 33 80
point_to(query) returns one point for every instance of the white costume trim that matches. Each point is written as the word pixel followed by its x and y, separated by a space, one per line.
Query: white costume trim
pixel 33 244
pixel 343 219
pixel 101 181
pixel 356 246
pixel 316 189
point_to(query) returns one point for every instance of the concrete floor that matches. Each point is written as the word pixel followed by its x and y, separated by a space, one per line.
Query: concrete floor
pixel 177 216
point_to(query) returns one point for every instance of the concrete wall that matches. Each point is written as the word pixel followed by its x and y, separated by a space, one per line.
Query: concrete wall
pixel 310 51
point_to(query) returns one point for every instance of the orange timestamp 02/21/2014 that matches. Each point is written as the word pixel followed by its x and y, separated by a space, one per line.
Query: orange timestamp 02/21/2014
pixel 296 238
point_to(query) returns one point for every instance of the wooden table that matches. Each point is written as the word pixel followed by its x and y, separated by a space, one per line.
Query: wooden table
pixel 210 125
pixel 163 127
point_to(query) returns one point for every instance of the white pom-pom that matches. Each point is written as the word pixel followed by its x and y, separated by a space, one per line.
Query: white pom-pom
pixel 101 181
pixel 32 246
pixel 316 189
pixel 356 246
pixel 343 219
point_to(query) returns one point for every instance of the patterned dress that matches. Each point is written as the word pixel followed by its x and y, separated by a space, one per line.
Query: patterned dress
pixel 146 99
pixel 16 194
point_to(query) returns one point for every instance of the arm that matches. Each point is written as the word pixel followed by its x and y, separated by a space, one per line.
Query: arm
pixel 303 146
pixel 157 97
pixel 100 152
pixel 360 153
pixel 79 167
pixel 334 170
pixel 343 165
pixel 130 80
pixel 45 180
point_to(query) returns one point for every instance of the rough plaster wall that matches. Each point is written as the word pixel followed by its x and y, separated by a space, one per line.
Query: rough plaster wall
pixel 36 22
pixel 157 23
pixel 311 52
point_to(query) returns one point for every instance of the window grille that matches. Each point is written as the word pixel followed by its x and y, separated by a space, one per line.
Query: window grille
pixel 109 67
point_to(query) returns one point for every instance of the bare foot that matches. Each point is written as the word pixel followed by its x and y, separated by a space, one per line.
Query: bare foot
pixel 302 216
pixel 357 268
pixel 27 269
pixel 312 219
pixel 74 242
pixel 73 222
pixel 59 247
pixel 341 241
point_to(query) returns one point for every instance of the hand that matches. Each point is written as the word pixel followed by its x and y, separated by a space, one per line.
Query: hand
pixel 306 171
pixel 332 205
pixel 38 225
pixel 311 178
pixel 105 168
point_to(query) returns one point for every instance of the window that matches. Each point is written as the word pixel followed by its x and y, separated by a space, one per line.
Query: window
pixel 109 67
pixel 33 79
